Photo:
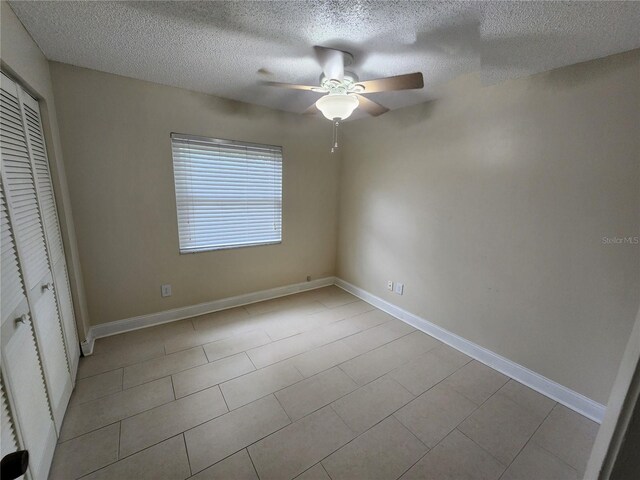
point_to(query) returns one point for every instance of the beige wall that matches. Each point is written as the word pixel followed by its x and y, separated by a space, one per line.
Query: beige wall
pixel 23 60
pixel 115 136
pixel 491 204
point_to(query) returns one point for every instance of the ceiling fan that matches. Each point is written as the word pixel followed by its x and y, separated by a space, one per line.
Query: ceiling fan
pixel 344 91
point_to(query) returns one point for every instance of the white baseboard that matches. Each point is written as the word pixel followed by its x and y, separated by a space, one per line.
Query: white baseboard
pixel 551 389
pixel 87 345
pixel 567 397
pixel 136 323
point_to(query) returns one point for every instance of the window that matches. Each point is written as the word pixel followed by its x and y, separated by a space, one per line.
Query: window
pixel 228 193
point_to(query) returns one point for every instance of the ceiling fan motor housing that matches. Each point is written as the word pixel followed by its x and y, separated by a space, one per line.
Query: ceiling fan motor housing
pixel 348 84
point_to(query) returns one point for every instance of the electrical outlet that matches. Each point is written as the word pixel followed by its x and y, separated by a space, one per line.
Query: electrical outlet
pixel 399 289
pixel 165 290
pixel 390 285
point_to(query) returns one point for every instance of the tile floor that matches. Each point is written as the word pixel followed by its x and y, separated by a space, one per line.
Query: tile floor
pixel 317 385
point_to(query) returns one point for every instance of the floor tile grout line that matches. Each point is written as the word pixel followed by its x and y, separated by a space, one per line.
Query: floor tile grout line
pixel 456 427
pixel 320 346
pixel 225 339
pixel 416 462
pixel 358 435
pixel 220 339
pixel 476 406
pixel 306 378
pixel 482 448
pixel 408 429
pixel 325 470
pixel 359 386
pixel 170 375
pixel 119 367
pixel 255 369
pixel 530 440
pixel 328 343
pixel 474 411
pixel 392 414
pixel 240 406
pixel 87 433
pixel 75 403
pixel 290 423
pixel 118 420
pixel 262 327
pixel 219 383
pixel 482 404
pixel 251 460
pixel 232 336
pixel 128 456
pixel 126 390
pixel 272 393
pixel 186 450
pixel 117 453
pixel 326 456
pixel 289 359
pixel 223 398
pixel 164 376
pixel 342 338
pixel 257 315
pixel 173 387
pixel 171 436
pixel 158 442
pixel 411 359
pixel 245 447
pixel 119 438
pixel 533 442
pixel 249 314
pixel 350 377
pixel 519 406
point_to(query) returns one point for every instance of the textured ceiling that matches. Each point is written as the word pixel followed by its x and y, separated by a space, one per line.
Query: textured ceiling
pixel 227 48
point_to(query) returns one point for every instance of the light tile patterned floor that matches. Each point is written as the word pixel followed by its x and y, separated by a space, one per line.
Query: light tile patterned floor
pixel 317 385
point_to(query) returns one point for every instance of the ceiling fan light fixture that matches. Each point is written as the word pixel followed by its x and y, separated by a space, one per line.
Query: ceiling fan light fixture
pixel 338 106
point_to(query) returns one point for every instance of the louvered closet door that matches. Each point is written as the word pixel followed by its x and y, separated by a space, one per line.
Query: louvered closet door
pixel 9 441
pixel 44 187
pixel 25 406
pixel 26 222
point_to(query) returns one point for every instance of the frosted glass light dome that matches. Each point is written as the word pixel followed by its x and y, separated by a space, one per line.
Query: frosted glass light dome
pixel 338 106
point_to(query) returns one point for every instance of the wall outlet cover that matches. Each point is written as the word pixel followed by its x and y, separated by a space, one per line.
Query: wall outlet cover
pixel 399 289
pixel 390 285
pixel 165 290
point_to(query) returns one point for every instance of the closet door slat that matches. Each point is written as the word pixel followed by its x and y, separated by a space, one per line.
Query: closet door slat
pixel 43 179
pixel 22 363
pixel 12 292
pixel 20 187
pixel 22 158
pixel 24 373
pixel 8 439
pixel 48 210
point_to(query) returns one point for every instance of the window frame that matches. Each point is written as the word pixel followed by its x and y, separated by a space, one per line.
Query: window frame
pixel 240 143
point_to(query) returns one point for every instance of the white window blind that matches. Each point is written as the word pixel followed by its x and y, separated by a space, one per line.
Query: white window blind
pixel 228 193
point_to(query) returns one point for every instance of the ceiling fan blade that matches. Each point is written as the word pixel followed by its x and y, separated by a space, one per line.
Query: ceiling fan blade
pixel 312 110
pixel 331 61
pixel 371 107
pixel 408 81
pixel 293 86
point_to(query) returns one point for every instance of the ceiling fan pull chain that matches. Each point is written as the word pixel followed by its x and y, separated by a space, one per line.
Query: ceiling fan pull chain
pixel 336 122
